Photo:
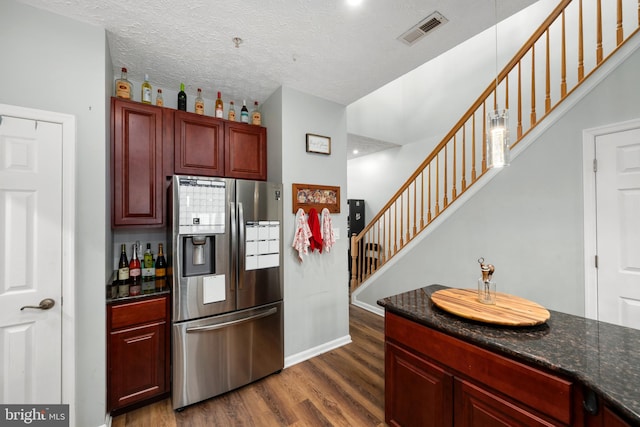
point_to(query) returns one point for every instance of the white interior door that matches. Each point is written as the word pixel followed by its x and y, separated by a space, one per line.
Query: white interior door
pixel 618 227
pixel 31 245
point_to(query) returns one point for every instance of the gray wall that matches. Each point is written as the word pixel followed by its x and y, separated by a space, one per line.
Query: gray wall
pixel 528 221
pixel 57 64
pixel 316 291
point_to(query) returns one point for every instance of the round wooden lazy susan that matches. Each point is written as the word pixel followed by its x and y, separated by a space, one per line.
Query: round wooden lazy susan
pixel 508 310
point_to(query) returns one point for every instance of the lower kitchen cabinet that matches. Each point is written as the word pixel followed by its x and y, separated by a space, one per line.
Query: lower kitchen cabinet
pixel 419 392
pixel 433 379
pixel 137 352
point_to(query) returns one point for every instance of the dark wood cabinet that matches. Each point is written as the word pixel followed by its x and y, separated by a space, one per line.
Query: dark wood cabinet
pixel 150 143
pixel 137 164
pixel 137 352
pixel 199 145
pixel 435 379
pixel 245 151
pixel 418 393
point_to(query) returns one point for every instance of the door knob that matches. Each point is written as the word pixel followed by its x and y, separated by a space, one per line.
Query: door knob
pixel 45 304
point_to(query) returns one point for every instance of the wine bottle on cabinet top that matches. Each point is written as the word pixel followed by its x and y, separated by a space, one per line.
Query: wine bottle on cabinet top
pixel 256 117
pixel 182 98
pixel 244 113
pixel 232 112
pixel 159 99
pixel 123 86
pixel 219 107
pixel 199 105
pixel 145 90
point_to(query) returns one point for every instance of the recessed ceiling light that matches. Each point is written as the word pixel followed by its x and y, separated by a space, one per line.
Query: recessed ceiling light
pixel 354 3
pixel 355 151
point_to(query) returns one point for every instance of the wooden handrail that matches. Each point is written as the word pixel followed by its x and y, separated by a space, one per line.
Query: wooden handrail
pixel 443 176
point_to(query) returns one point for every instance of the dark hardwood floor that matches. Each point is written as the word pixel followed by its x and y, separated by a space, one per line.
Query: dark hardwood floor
pixel 343 387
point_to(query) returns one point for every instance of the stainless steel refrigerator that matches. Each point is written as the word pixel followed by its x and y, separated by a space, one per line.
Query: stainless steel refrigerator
pixel 225 256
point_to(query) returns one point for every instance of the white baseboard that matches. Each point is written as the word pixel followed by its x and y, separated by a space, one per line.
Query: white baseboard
pixel 375 309
pixel 316 351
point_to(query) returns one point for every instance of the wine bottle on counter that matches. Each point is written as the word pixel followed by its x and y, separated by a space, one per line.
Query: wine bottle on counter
pixel 123 86
pixel 135 272
pixel 256 117
pixel 182 98
pixel 232 112
pixel 145 90
pixel 161 269
pixel 244 113
pixel 148 269
pixel 199 105
pixel 219 107
pixel 159 99
pixel 123 273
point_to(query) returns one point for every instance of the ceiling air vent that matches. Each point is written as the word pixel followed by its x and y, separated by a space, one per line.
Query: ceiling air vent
pixel 422 28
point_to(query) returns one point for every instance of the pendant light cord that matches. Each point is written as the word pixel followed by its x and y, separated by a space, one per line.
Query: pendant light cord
pixel 495 9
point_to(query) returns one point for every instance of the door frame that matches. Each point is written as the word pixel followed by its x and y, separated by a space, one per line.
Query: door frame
pixel 68 123
pixel 589 192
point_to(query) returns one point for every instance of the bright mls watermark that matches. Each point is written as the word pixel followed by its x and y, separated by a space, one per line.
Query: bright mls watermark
pixel 34 415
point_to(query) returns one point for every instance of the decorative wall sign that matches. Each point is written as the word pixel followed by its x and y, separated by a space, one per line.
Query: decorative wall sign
pixel 318 144
pixel 307 196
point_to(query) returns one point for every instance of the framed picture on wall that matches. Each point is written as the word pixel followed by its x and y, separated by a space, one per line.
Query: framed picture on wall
pixel 318 144
pixel 307 196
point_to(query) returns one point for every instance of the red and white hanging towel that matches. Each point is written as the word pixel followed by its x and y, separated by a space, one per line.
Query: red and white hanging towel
pixel 302 235
pixel 328 238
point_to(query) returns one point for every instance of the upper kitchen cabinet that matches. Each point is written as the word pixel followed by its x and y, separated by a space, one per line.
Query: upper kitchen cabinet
pixel 245 151
pixel 136 164
pixel 199 146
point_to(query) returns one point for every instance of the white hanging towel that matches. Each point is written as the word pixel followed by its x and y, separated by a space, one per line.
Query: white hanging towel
pixel 328 239
pixel 301 237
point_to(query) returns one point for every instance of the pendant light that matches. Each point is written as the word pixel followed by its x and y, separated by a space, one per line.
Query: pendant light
pixel 497 122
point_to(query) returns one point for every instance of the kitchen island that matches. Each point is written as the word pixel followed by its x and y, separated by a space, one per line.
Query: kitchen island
pixel 568 371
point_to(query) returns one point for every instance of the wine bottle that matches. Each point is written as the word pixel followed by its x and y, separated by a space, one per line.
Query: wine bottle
pixel 219 107
pixel 232 112
pixel 135 273
pixel 159 99
pixel 123 273
pixel 161 269
pixel 148 257
pixel 145 90
pixel 199 105
pixel 244 113
pixel 182 98
pixel 256 117
pixel 123 86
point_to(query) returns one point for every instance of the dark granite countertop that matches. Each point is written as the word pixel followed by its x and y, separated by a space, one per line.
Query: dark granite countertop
pixel 602 356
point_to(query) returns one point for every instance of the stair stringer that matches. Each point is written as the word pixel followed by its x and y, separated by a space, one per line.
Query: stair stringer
pixel 590 82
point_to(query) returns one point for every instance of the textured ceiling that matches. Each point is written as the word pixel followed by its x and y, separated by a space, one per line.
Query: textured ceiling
pixel 321 47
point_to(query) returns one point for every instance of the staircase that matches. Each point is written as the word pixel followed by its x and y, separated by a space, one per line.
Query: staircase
pixel 571 45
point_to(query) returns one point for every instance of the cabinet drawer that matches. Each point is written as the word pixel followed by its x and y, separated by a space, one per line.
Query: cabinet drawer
pixel 537 389
pixel 138 312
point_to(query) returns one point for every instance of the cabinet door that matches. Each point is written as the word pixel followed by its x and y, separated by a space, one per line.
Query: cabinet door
pixel 198 145
pixel 417 393
pixel 136 159
pixel 138 364
pixel 478 407
pixel 245 151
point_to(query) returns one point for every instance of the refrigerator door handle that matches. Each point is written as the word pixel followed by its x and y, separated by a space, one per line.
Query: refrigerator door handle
pixel 223 325
pixel 241 245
